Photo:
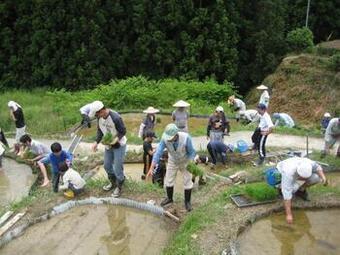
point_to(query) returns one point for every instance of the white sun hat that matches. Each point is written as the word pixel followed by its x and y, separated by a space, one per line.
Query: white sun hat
pixel 95 107
pixel 181 103
pixel 219 109
pixel 262 87
pixel 151 110
pixel 327 115
pixel 304 169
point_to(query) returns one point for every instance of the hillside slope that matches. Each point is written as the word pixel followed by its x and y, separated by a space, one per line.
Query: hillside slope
pixel 304 86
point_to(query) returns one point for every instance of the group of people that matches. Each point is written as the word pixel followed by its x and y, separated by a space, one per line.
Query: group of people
pixel 177 144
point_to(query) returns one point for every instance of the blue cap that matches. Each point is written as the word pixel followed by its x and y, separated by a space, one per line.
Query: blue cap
pixel 261 106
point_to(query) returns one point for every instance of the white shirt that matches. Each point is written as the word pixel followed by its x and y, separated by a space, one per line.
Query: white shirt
pixel 238 103
pixel 85 109
pixel 251 115
pixel 265 122
pixel 333 127
pixel 289 176
pixel 39 148
pixel 72 176
pixel 264 99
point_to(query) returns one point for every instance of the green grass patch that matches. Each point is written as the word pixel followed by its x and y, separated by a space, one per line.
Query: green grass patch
pixel 328 159
pixel 182 242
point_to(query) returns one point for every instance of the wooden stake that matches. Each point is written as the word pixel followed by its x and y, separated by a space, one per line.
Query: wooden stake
pixel 9 224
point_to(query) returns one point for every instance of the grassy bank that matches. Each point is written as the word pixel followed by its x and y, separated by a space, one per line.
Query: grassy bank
pixel 50 112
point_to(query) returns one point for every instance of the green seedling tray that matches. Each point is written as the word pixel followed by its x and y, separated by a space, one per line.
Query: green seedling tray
pixel 243 201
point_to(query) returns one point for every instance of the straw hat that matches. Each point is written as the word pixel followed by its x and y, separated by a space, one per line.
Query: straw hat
pixel 261 87
pixel 231 99
pixel 181 103
pixel 151 110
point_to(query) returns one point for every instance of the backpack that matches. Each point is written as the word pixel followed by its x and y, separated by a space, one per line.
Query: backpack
pixel 272 176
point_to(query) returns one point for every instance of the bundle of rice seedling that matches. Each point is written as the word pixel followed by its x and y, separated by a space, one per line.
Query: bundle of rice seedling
pixel 195 170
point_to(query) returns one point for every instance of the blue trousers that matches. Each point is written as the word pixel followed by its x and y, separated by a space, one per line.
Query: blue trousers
pixel 113 162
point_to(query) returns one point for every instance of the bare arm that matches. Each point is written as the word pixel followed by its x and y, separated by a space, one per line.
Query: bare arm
pixel 12 115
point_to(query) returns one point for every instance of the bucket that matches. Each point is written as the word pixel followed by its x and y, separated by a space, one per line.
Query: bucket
pixel 242 146
pixel 272 176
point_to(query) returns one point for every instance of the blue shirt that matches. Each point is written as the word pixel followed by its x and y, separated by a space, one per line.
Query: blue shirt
pixel 55 160
pixel 161 146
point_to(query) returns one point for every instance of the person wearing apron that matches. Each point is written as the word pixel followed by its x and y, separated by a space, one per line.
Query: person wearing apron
pixel 180 152
pixel 216 126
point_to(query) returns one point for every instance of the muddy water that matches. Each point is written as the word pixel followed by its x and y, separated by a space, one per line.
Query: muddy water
pixel 134 172
pixel 94 230
pixel 15 181
pixel 333 179
pixel 313 233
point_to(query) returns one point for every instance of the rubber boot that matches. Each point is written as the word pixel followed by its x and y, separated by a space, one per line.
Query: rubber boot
pixel 187 199
pixel 112 184
pixel 169 193
pixel 118 190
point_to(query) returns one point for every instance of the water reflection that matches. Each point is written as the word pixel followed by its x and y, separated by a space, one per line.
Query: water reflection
pixel 15 181
pixel 109 230
pixel 313 232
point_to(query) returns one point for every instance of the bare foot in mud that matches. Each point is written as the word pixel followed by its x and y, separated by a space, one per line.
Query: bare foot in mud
pixel 45 183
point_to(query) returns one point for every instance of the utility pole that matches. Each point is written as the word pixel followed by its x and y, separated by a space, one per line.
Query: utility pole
pixel 307 14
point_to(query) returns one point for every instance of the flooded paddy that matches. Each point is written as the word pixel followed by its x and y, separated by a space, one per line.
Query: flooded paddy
pixel 103 229
pixel 15 181
pixel 313 233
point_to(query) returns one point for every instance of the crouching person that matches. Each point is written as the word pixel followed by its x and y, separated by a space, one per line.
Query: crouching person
pixel 57 156
pixel 293 170
pixel 73 183
pixel 180 152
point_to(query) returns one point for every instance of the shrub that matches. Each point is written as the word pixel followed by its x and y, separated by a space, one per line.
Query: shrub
pixel 300 39
pixel 334 62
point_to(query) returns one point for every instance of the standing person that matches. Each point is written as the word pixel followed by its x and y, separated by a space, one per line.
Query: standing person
pixel 180 152
pixel 264 99
pixel 149 121
pixel 39 149
pixel 283 119
pixel 110 122
pixel 57 156
pixel 18 116
pixel 148 152
pixel 71 180
pixel 292 170
pixel 250 116
pixel 261 133
pixel 239 106
pixel 325 121
pixel 180 116
pixel 216 125
pixel 332 136
pixel 218 149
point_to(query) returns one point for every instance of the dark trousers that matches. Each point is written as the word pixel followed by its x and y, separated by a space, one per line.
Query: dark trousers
pixel 55 182
pixel 213 154
pixel 259 141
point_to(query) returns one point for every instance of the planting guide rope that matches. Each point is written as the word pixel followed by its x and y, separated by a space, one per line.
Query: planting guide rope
pixel 10 235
